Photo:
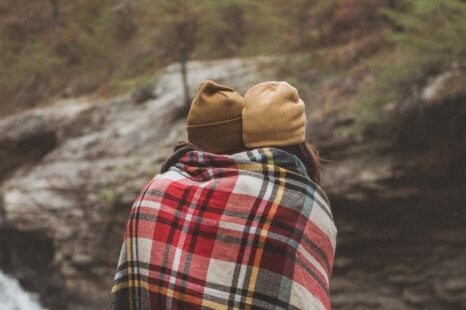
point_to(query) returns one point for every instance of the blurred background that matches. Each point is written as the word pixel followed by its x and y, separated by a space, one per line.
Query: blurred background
pixel 94 94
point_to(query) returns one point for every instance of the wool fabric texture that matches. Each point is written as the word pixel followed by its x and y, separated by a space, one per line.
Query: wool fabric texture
pixel 273 115
pixel 243 231
pixel 214 120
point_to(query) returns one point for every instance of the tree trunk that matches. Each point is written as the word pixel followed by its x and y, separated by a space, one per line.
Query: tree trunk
pixel 126 27
pixel 184 80
pixel 56 20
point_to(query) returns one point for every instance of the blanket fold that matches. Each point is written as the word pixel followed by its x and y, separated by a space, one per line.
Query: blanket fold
pixel 242 231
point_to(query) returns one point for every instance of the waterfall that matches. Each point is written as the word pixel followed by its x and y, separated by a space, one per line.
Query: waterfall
pixel 13 297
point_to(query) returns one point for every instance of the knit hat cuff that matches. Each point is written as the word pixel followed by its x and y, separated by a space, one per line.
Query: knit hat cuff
pixel 216 123
pixel 270 141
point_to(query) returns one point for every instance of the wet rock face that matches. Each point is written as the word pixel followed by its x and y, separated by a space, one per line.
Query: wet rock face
pixel 30 255
pixel 400 213
pixel 388 258
pixel 21 144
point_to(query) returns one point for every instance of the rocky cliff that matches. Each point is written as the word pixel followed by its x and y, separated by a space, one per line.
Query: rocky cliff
pixel 70 172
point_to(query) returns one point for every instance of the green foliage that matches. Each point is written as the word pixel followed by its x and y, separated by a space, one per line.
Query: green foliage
pixel 224 28
pixel 124 84
pixel 436 27
pixel 173 27
pixel 429 37
pixel 83 44
pixel 86 44
pixel 15 69
pixel 65 43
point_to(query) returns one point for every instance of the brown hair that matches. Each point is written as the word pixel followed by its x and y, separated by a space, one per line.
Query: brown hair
pixel 309 157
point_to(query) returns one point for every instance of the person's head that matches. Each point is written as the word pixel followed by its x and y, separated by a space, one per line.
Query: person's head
pixel 214 121
pixel 273 116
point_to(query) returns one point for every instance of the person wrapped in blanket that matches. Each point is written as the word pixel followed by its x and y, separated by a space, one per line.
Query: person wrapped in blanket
pixel 235 219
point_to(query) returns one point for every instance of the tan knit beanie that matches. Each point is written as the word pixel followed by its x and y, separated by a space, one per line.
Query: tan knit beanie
pixel 273 115
pixel 214 120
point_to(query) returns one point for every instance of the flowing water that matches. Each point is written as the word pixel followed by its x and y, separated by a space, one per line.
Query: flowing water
pixel 13 297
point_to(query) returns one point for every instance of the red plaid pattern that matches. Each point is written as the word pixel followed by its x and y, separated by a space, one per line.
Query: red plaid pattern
pixel 244 231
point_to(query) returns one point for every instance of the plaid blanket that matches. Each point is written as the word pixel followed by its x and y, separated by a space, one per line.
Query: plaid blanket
pixel 242 231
